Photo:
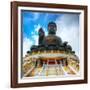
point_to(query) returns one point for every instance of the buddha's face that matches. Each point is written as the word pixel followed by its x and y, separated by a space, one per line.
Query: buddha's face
pixel 52 29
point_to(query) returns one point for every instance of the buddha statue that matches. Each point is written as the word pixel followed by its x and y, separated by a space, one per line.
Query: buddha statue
pixel 52 40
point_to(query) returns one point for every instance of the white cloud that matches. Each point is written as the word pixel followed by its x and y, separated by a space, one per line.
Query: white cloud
pixel 28 42
pixel 68 30
pixel 36 15
pixel 45 30
pixel 35 37
pixel 37 27
pixel 26 45
pixel 32 33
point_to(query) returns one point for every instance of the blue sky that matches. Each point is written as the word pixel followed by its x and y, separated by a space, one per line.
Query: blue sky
pixel 32 19
pixel 67 28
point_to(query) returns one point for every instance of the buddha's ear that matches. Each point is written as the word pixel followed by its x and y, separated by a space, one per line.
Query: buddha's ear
pixel 55 28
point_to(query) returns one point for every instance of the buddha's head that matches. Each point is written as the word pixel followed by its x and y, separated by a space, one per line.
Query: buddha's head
pixel 52 28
